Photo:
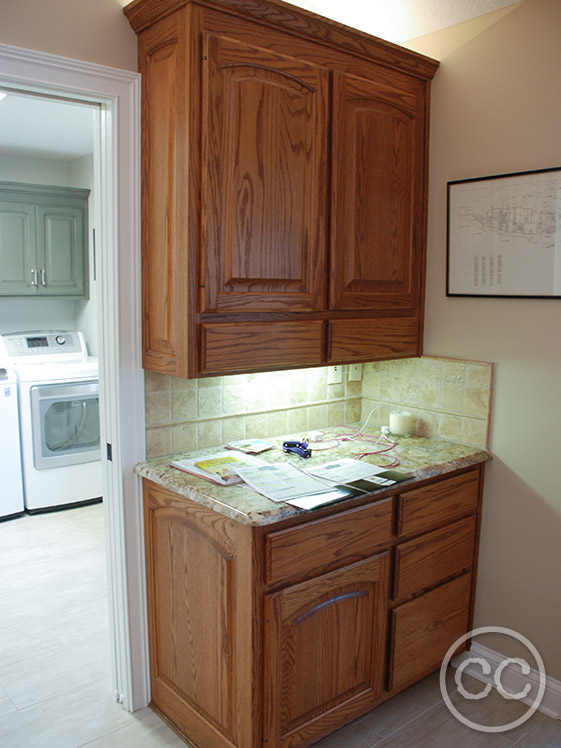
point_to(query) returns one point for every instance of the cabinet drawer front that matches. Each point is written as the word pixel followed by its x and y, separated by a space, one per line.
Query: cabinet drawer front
pixel 354 339
pixel 423 630
pixel 434 557
pixel 259 345
pixel 438 503
pixel 317 547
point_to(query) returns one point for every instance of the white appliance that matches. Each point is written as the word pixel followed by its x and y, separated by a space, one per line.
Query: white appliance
pixel 11 492
pixel 59 417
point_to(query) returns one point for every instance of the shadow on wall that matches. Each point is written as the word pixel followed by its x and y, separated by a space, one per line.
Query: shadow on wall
pixel 517 521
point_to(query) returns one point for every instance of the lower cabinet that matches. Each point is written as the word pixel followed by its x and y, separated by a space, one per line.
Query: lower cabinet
pixel 424 628
pixel 277 635
pixel 325 651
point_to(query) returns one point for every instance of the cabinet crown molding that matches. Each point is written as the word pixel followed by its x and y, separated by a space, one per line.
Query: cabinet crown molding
pixel 286 17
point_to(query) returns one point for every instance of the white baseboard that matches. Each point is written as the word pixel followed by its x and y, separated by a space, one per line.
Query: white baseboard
pixel 512 678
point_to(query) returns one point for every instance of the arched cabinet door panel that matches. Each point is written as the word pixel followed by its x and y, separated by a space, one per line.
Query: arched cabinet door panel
pixel 378 176
pixel 264 179
pixel 325 651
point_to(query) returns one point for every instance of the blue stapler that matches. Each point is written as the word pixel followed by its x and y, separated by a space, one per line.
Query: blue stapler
pixel 298 448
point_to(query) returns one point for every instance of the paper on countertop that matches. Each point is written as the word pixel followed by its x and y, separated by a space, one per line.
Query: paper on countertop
pixel 218 466
pixel 337 493
pixel 346 470
pixel 285 482
pixel 281 481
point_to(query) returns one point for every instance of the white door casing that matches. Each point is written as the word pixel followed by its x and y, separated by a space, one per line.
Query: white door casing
pixel 121 379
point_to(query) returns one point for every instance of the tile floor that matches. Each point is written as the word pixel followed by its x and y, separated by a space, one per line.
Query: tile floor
pixel 54 661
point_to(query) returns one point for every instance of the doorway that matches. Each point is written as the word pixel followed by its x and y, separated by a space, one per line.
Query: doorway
pixel 116 93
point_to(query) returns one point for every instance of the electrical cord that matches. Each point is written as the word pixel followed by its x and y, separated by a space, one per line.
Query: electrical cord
pixel 386 445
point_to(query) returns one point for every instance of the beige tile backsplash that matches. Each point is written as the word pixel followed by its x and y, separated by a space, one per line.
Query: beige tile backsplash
pixel 449 399
pixel 194 414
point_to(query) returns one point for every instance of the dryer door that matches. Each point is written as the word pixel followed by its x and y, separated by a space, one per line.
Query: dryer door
pixel 65 422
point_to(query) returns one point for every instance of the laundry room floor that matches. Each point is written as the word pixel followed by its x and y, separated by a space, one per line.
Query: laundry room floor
pixel 55 689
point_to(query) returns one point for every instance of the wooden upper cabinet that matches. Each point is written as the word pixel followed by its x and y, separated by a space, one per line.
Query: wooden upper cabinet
pixel 167 331
pixel 264 186
pixel 284 170
pixel 377 239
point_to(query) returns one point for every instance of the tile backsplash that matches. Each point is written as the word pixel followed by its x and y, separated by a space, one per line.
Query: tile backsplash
pixel 186 414
pixel 448 399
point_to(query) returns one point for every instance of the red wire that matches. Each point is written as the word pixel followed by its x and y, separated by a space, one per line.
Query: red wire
pixel 357 435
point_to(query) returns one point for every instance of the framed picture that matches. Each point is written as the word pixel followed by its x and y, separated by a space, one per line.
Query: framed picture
pixel 504 236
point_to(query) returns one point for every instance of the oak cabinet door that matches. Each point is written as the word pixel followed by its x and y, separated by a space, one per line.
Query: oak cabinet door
pixel 324 651
pixel 378 183
pixel 264 179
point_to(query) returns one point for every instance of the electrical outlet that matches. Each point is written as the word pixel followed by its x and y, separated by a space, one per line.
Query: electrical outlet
pixel 334 374
pixel 355 372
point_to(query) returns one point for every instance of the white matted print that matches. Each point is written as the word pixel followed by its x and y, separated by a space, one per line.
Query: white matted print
pixel 504 235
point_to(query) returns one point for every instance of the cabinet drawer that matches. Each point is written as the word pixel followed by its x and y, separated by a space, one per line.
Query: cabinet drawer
pixel 434 557
pixel 317 547
pixel 424 629
pixel 353 339
pixel 437 503
pixel 231 347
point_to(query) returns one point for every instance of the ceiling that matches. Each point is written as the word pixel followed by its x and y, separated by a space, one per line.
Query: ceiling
pixel 45 128
pixel 49 129
pixel 400 20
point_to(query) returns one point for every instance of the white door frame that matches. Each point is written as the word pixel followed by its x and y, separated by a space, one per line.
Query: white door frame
pixel 121 381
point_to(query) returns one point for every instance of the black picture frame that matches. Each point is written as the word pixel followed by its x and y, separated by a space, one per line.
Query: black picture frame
pixel 503 236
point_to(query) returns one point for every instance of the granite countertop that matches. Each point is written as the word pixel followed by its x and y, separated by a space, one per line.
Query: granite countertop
pixel 425 458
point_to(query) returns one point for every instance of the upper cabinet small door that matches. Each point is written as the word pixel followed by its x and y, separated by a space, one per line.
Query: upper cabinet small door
pixel 377 255
pixel 264 184
pixel 60 250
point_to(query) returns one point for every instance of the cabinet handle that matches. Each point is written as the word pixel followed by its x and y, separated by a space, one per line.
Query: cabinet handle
pixel 43 277
pixel 33 276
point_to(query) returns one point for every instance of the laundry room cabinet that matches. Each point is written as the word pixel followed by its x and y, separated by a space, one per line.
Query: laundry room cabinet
pixel 284 188
pixel 43 241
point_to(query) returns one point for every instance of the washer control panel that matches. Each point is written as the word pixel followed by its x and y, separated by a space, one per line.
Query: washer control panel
pixel 28 345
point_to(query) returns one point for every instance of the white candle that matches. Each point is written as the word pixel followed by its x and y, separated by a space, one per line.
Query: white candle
pixel 400 423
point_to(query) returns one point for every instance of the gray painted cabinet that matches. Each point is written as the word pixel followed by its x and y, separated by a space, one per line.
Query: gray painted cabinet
pixel 43 241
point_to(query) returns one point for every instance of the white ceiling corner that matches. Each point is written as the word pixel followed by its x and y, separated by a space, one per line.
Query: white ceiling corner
pixel 400 20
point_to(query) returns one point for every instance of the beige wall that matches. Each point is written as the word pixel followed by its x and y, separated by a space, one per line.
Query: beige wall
pixel 91 30
pixel 497 109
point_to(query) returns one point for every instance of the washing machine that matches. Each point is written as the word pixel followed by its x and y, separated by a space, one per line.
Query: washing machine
pixel 11 493
pixel 58 398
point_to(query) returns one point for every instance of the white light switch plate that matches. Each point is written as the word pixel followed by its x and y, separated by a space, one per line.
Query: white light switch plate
pixel 355 372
